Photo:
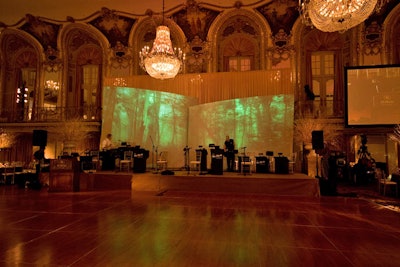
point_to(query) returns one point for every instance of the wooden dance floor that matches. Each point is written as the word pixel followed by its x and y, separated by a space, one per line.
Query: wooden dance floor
pixel 296 184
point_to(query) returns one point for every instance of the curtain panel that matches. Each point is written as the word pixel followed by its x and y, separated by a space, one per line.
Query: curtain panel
pixel 212 87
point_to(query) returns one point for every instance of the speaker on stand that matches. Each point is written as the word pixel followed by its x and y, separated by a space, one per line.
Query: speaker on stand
pixel 39 138
pixel 317 140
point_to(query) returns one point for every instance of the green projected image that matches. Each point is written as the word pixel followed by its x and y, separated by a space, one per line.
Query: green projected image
pixel 257 123
pixel 149 119
pixel 170 122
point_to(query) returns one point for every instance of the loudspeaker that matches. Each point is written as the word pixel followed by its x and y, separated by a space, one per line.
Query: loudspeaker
pixel 39 138
pixel 317 139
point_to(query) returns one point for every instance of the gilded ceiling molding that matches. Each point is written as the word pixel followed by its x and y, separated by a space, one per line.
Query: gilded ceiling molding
pixel 195 21
pixel 240 25
pixel 280 15
pixel 53 62
pixel 120 56
pixel 74 35
pixel 45 32
pixel 116 28
pixel 281 50
pixel 237 4
pixel 372 39
pixel 197 56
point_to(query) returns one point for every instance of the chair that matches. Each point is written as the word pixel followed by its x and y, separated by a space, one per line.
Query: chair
pixel 246 165
pixel 18 167
pixel 270 157
pixel 384 182
pixel 126 161
pixel 86 164
pixel 18 170
pixel 162 162
pixel 7 172
pixel 196 164
pixel 95 154
pixel 292 162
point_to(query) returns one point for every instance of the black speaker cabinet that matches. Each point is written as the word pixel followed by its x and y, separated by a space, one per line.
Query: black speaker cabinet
pixel 281 165
pixel 317 139
pixel 262 164
pixel 217 156
pixel 39 138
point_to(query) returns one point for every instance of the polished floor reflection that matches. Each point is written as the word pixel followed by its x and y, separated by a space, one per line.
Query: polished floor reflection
pixel 124 228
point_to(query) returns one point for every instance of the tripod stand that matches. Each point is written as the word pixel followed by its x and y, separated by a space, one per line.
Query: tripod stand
pixel 186 153
pixel 154 152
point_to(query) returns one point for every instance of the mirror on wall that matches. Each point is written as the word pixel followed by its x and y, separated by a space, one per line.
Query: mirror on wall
pixel 51 89
pixel 25 93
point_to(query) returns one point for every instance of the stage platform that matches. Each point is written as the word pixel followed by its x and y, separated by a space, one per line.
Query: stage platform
pixel 295 184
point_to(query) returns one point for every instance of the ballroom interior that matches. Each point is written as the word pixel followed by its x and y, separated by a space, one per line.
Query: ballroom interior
pixel 243 72
pixel 291 82
pixel 79 74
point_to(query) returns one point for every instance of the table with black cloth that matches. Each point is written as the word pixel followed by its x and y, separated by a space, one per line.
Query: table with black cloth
pixel 217 156
pixel 281 165
pixel 139 160
pixel 140 156
pixel 262 164
pixel 108 159
pixel 27 175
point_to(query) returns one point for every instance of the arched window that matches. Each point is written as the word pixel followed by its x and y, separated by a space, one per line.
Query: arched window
pixel 323 74
pixel 239 63
pixel 85 56
pixel 90 84
pixel 238 48
pixel 323 70
pixel 238 54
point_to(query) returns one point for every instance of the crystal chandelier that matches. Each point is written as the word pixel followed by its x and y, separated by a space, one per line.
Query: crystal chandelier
pixel 337 15
pixel 52 85
pixel 161 61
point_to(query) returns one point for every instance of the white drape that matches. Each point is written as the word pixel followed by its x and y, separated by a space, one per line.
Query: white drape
pixel 211 87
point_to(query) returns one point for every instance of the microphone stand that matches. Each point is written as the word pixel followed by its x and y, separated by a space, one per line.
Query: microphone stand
pixel 156 169
pixel 244 155
pixel 187 167
pixel 244 150
pixel 152 155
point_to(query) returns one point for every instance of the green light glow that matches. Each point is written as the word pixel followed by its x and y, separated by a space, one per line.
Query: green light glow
pixel 169 122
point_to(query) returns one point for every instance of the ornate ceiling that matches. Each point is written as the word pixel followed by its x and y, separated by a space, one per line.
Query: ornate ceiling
pixel 14 10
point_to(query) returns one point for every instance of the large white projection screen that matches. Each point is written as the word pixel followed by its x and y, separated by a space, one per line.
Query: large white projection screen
pixel 169 122
pixel 258 124
pixel 373 95
pixel 153 120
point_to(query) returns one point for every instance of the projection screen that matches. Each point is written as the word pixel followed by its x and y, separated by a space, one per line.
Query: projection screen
pixel 160 121
pixel 372 95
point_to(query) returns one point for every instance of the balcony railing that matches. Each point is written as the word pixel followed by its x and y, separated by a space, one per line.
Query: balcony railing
pixel 318 109
pixel 90 113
